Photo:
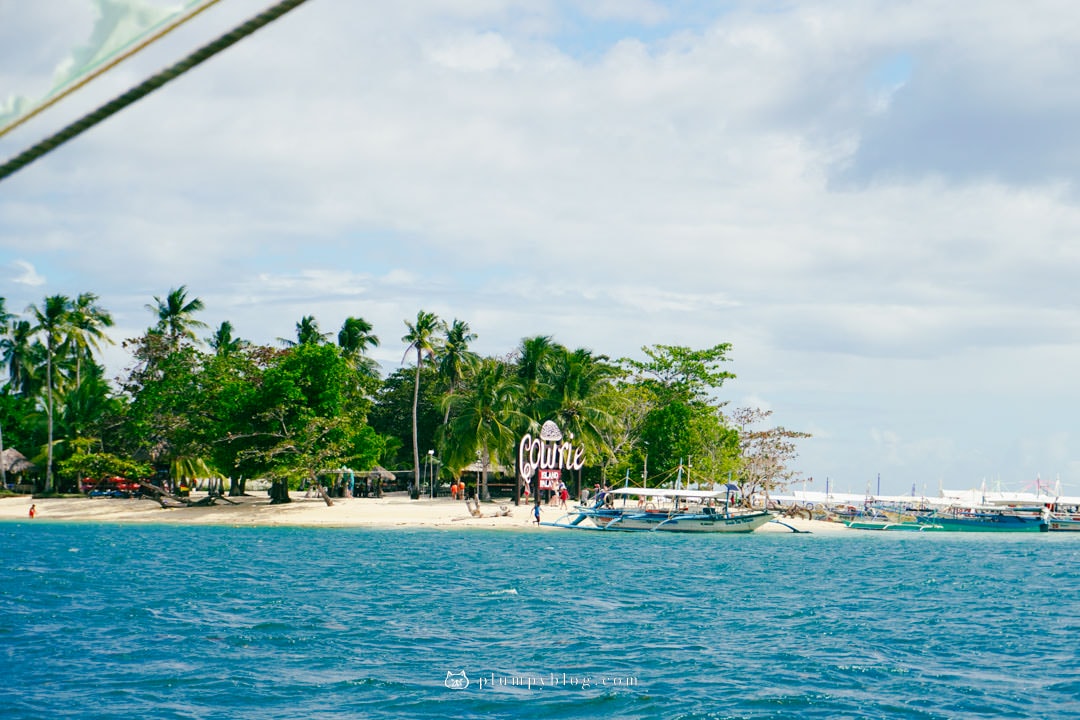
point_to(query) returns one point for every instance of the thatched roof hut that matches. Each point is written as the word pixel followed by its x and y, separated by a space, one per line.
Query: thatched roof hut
pixel 382 472
pixel 14 462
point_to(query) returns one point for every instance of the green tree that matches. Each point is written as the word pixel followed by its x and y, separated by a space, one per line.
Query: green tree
pixel 53 320
pixel 176 315
pixel 307 333
pixel 391 415
pixel 534 359
pixel 86 331
pixel 421 338
pixel 20 358
pixel 355 339
pixel 222 341
pixel 309 418
pixel 485 418
pixel 454 360
pixel 628 405
pixel 682 382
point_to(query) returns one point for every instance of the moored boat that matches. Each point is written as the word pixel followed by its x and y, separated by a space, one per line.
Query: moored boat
pixel 908 526
pixel 1059 522
pixel 985 519
pixel 665 510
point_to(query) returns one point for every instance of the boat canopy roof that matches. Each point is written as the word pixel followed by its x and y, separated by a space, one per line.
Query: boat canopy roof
pixel 669 493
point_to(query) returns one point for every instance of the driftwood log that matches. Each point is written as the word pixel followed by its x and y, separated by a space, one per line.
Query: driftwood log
pixel 474 510
pixel 168 500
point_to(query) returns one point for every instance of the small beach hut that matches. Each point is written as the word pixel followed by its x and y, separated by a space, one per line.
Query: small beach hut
pixel 15 465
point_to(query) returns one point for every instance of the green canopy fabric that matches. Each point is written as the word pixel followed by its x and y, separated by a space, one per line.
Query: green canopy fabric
pixel 120 26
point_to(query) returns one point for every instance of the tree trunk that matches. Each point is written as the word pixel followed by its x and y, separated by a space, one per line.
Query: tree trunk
pixel 279 492
pixel 48 385
pixel 485 494
pixel 415 493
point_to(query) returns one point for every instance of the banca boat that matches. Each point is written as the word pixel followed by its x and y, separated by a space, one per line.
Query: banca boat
pixel 664 510
pixel 986 519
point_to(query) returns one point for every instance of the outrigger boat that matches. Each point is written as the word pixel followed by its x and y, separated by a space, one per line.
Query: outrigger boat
pixel 988 519
pixel 664 510
pixel 872 518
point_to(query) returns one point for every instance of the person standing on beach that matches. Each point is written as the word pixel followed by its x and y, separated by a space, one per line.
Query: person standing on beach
pixel 536 513
pixel 33 511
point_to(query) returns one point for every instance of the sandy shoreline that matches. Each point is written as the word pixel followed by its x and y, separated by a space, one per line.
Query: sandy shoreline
pixel 394 511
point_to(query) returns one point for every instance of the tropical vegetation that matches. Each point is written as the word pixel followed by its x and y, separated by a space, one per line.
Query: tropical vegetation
pixel 224 407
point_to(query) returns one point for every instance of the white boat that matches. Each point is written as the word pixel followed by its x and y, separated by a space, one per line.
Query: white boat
pixel 632 509
pixel 1063 521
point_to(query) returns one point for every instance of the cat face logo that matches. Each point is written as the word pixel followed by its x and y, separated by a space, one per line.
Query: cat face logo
pixel 456 681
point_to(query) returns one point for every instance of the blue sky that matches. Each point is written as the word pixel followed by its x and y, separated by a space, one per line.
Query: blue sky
pixel 874 202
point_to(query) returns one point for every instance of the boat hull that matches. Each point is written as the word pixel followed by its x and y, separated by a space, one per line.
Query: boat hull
pixel 892 526
pixel 1063 524
pixel 696 523
pixel 638 521
pixel 988 523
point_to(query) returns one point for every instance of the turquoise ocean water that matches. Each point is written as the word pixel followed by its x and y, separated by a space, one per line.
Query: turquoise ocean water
pixel 110 621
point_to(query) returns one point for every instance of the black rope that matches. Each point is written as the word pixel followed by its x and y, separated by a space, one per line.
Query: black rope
pixel 146 87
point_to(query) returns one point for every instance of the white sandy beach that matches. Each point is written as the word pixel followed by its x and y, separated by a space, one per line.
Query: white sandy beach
pixel 394 511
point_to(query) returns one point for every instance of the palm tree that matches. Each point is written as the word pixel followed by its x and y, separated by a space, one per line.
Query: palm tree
pixel 18 357
pixel 421 338
pixel 87 321
pixel 307 333
pixel 223 343
pixel 455 359
pixel 354 339
pixel 575 399
pixel 175 315
pixel 486 418
pixel 535 359
pixel 5 318
pixel 54 320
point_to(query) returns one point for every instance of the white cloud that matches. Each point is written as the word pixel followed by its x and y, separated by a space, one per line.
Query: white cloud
pixel 472 53
pixel 26 274
pixel 874 265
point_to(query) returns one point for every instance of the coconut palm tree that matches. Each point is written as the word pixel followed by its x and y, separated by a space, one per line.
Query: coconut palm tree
pixel 5 317
pixel 354 339
pixel 454 359
pixel 18 353
pixel 575 399
pixel 421 337
pixel 486 418
pixel 535 358
pixel 53 320
pixel 175 315
pixel 86 333
pixel 307 333
pixel 223 343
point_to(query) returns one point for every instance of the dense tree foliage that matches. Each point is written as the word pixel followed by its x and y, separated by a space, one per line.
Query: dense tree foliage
pixel 233 409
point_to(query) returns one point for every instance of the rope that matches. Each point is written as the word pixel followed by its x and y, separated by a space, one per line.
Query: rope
pixel 105 68
pixel 146 87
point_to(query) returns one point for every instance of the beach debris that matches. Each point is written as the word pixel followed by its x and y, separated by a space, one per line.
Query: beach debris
pixel 474 510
